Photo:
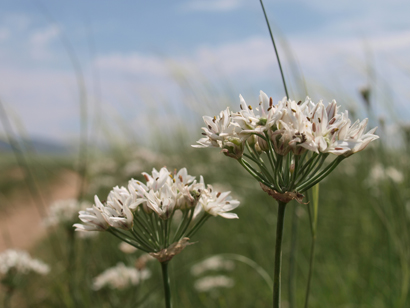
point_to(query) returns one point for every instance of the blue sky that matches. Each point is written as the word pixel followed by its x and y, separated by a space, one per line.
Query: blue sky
pixel 128 47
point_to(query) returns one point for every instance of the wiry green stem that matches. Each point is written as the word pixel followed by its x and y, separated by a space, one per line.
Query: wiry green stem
pixel 167 288
pixel 278 255
pixel 276 51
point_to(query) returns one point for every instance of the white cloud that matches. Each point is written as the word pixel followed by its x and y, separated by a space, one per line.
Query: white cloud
pixel 40 41
pixel 132 64
pixel 43 37
pixel 212 5
pixel 4 34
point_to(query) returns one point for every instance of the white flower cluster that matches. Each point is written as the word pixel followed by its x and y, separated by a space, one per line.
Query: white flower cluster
pixel 215 263
pixel 65 211
pixel 290 126
pixel 20 262
pixel 209 283
pixel 120 277
pixel 163 194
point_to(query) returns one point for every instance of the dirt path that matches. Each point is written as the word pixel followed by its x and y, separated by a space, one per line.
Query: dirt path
pixel 21 225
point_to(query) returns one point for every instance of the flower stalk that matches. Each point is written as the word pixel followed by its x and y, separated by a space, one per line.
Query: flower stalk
pixel 144 215
pixel 167 287
pixel 278 254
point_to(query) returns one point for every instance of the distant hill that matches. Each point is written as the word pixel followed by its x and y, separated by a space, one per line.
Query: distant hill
pixel 36 145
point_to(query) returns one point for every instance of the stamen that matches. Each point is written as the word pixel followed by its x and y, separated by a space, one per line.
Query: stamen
pixel 270 102
pixel 250 107
pixel 210 127
pixel 146 177
pixel 300 102
pixel 319 120
pixel 180 178
pixel 293 110
pixel 218 194
pixel 314 127
pixel 334 130
pixel 338 148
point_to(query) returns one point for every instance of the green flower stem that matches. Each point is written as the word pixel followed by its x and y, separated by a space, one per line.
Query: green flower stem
pixel 278 171
pixel 278 254
pixel 180 226
pixel 312 163
pixel 167 289
pixel 306 186
pixel 138 223
pixel 295 172
pixel 323 158
pixel 255 175
pixel 141 240
pixel 132 243
pixel 186 225
pixel 260 164
pixel 304 170
pixel 262 176
pixel 198 225
pixel 286 171
pixel 313 223
pixel 312 254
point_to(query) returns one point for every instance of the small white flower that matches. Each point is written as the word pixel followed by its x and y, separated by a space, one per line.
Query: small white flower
pixel 218 203
pixel 92 220
pixel 21 262
pixel 117 212
pixel 209 283
pixel 120 277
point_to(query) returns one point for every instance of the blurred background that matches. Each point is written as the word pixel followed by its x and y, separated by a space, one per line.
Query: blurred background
pixel 94 93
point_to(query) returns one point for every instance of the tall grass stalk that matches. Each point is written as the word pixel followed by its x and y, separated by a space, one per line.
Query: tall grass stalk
pixel 313 224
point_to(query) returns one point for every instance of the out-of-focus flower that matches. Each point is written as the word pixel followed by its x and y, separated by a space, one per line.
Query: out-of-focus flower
pixel 120 277
pixel 209 283
pixel 65 212
pixel 215 263
pixel 92 219
pixel 378 173
pixel 20 262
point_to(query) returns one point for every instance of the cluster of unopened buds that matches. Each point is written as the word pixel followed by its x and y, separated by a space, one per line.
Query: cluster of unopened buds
pixel 296 137
pixel 159 216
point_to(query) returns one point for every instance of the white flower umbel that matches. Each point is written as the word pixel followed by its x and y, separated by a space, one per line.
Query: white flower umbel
pixel 20 262
pixel 287 143
pixel 120 277
pixel 287 146
pixel 142 215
